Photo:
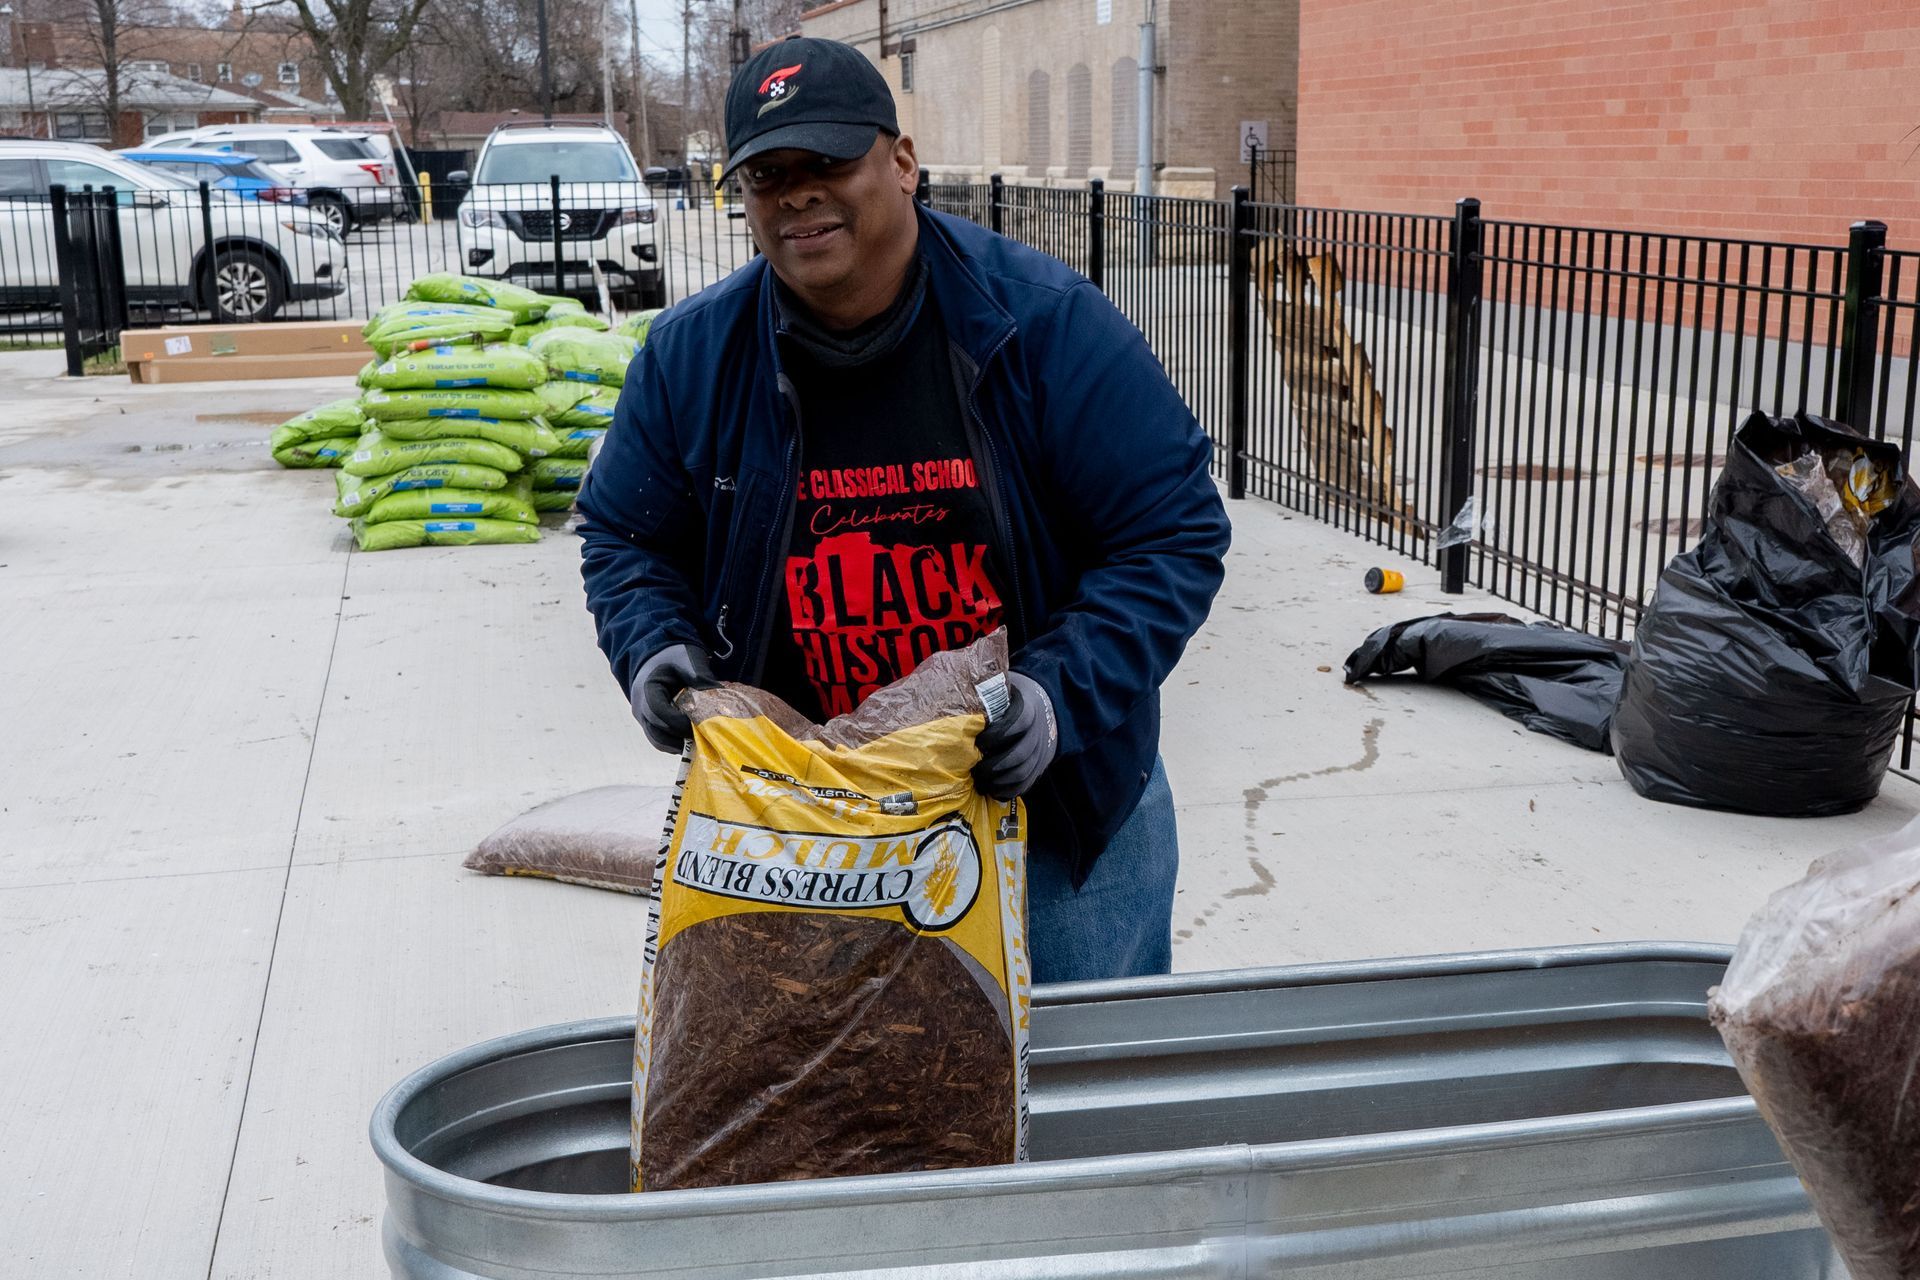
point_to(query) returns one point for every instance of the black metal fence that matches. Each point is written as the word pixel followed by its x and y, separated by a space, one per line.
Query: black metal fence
pixel 198 255
pixel 1578 385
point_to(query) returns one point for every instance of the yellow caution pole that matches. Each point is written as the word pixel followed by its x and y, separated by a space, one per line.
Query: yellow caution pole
pixel 719 195
pixel 426 199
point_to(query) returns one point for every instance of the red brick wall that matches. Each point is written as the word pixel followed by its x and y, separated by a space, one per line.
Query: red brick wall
pixel 1776 118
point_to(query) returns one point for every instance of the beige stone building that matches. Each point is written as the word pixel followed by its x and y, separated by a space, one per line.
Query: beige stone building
pixel 1047 90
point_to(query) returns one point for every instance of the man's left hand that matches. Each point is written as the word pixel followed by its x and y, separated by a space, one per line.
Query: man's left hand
pixel 1017 748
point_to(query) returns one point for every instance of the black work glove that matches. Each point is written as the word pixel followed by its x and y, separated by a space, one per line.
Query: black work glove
pixel 659 682
pixel 1017 748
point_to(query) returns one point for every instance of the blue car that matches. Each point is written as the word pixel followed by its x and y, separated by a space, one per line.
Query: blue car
pixel 233 171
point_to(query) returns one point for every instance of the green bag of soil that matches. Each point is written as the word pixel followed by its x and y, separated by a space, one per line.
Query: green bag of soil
pixel 380 455
pixel 357 494
pixel 550 474
pixel 531 438
pixel 525 333
pixel 290 451
pixel 576 404
pixel 329 421
pixel 391 535
pixel 512 503
pixel 637 327
pixel 429 324
pixel 576 355
pixel 443 368
pixel 459 402
pixel 554 500
pixel 524 305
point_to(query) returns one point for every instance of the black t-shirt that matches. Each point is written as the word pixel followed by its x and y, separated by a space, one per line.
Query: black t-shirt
pixel 890 556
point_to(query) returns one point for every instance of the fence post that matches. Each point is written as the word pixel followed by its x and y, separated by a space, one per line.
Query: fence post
pixel 1461 405
pixel 996 213
pixel 559 242
pixel 64 264
pixel 1239 340
pixel 113 274
pixel 1253 169
pixel 1097 234
pixel 207 247
pixel 923 186
pixel 1860 334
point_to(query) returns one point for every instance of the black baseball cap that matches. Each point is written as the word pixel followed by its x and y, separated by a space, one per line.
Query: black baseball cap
pixel 809 95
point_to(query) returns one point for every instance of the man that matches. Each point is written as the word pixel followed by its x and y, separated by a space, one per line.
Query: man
pixel 889 435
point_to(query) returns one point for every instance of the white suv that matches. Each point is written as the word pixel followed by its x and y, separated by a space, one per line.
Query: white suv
pixel 348 180
pixel 262 255
pixel 606 216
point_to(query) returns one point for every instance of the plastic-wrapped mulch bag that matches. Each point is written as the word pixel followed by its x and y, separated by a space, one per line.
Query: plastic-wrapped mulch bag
pixel 392 535
pixel 379 454
pixel 577 355
pixel 320 437
pixel 528 437
pixel 1821 1011
pixel 405 324
pixel 455 402
pixel 524 305
pixel 835 978
pixel 438 368
pixel 606 838
pixel 356 495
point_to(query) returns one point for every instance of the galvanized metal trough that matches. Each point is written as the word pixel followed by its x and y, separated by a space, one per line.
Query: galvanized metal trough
pixel 1562 1113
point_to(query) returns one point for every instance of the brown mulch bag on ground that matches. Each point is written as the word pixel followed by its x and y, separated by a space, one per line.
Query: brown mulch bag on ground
pixel 835 975
pixel 606 838
pixel 1821 1011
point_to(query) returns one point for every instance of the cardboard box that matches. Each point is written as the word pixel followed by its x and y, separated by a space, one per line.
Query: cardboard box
pixel 291 338
pixel 237 368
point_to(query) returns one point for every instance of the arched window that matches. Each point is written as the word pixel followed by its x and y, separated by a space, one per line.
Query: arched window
pixel 1039 121
pixel 1079 120
pixel 1126 117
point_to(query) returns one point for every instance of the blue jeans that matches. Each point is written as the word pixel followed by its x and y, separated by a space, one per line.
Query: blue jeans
pixel 1119 924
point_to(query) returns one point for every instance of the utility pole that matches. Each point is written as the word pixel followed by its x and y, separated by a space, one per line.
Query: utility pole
pixel 643 141
pixel 686 78
pixel 738 43
pixel 546 68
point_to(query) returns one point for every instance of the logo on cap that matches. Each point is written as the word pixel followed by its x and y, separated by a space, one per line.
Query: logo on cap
pixel 775 89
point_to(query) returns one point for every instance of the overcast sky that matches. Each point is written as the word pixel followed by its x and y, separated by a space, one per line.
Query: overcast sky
pixel 660 27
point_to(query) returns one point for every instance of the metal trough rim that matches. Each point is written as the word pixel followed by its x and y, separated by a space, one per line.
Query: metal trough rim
pixel 1116 1170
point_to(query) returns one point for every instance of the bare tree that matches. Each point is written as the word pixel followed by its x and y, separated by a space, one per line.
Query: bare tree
pixel 356 41
pixel 113 35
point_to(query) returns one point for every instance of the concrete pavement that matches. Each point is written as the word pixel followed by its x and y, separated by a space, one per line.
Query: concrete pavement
pixel 241 763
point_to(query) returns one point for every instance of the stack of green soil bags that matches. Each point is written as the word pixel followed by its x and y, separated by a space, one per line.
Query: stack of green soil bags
pixel 588 370
pixel 444 461
pixel 320 437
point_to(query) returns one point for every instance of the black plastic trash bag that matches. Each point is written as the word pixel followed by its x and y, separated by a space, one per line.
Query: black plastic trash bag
pixel 1770 673
pixel 1554 681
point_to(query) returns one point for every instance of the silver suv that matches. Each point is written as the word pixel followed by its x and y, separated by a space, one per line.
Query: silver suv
pixel 347 179
pixel 605 215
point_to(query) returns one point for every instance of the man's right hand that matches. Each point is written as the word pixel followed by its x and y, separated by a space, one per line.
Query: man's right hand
pixel 661 678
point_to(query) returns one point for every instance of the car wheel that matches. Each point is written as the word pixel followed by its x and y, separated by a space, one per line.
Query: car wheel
pixel 335 211
pixel 244 287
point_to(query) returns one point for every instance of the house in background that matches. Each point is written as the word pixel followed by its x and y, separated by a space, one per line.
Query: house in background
pixel 259 57
pixel 1047 90
pixel 1730 117
pixel 70 105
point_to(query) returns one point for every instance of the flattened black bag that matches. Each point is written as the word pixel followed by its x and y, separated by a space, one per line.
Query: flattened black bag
pixel 1770 674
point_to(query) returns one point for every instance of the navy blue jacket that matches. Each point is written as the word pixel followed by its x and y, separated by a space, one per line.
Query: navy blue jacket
pixel 1111 530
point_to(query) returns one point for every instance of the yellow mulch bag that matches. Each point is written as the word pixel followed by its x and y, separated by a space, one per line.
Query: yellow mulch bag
pixel 836 978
